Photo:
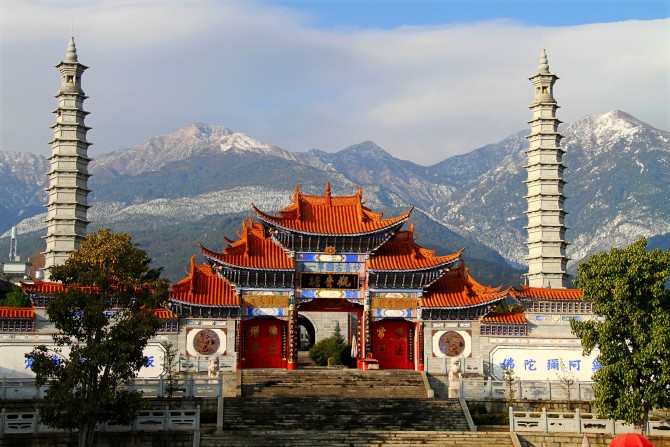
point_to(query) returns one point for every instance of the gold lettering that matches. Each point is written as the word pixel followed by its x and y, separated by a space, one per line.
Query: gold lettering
pixel 343 281
pixel 254 331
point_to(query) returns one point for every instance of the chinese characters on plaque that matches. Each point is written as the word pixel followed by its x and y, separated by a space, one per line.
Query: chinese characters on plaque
pixel 553 364
pixel 328 281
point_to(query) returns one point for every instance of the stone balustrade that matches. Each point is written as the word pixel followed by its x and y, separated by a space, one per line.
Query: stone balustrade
pixel 577 422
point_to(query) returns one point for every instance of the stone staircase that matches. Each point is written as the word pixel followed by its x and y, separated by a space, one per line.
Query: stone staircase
pixel 342 407
pixel 342 413
pixel 356 438
pixel 333 382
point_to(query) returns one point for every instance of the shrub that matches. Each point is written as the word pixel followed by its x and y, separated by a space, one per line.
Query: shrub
pixel 333 347
pixel 16 298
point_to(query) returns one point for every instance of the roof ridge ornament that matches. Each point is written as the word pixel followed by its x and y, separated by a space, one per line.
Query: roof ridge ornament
pixel 296 198
pixel 247 234
pixel 329 201
pixel 192 274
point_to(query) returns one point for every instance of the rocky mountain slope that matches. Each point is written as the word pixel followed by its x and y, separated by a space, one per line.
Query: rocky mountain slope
pixel 190 186
pixel 617 189
pixel 22 182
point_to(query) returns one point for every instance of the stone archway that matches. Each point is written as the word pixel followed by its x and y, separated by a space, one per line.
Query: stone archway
pixel 307 333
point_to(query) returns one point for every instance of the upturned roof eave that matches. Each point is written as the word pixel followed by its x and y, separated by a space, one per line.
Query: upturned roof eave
pixel 419 269
pixel 188 303
pixel 272 222
pixel 240 267
pixel 212 256
pixel 482 304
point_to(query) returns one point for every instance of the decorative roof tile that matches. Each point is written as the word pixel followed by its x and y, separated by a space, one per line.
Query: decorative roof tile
pixel 330 215
pixel 456 289
pixel 165 314
pixel 17 312
pixel 401 253
pixel 42 286
pixel 203 288
pixel 505 317
pixel 542 293
pixel 55 287
pixel 252 250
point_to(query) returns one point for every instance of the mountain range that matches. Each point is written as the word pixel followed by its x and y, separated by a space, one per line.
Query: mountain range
pixel 198 183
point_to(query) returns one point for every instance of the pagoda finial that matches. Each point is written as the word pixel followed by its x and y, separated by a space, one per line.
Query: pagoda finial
pixel 543 67
pixel 71 55
pixel 328 197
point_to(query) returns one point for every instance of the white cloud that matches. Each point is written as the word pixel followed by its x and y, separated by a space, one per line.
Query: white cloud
pixel 421 93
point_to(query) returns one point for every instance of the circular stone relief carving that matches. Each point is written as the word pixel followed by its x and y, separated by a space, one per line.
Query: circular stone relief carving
pixel 451 344
pixel 206 342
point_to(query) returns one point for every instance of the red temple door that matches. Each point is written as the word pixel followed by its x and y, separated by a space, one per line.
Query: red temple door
pixel 264 343
pixel 392 344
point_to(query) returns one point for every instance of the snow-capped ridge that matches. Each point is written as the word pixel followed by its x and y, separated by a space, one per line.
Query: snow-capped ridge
pixel 244 142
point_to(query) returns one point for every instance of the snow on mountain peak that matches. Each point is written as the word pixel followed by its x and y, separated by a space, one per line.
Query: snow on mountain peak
pixel 602 132
pixel 244 142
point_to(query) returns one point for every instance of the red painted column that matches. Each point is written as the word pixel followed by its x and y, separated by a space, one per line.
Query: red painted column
pixel 367 350
pixel 241 344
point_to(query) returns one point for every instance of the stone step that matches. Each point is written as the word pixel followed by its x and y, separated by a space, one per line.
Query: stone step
pixel 332 382
pixel 329 413
pixel 354 438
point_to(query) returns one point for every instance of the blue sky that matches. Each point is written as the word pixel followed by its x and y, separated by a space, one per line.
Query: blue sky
pixel 424 79
pixel 388 14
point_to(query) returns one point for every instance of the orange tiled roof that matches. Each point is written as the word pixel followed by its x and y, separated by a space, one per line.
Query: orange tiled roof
pixel 53 287
pixel 203 288
pixel 402 253
pixel 253 250
pixel 17 312
pixel 505 317
pixel 457 289
pixel 551 294
pixel 330 215
pixel 165 314
pixel 42 286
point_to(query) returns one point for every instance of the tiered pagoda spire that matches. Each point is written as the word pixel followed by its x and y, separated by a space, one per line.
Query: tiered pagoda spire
pixel 547 260
pixel 68 175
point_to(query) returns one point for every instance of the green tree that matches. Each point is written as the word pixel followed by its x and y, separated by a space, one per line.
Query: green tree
pixel 105 318
pixel 16 298
pixel 627 288
pixel 333 347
